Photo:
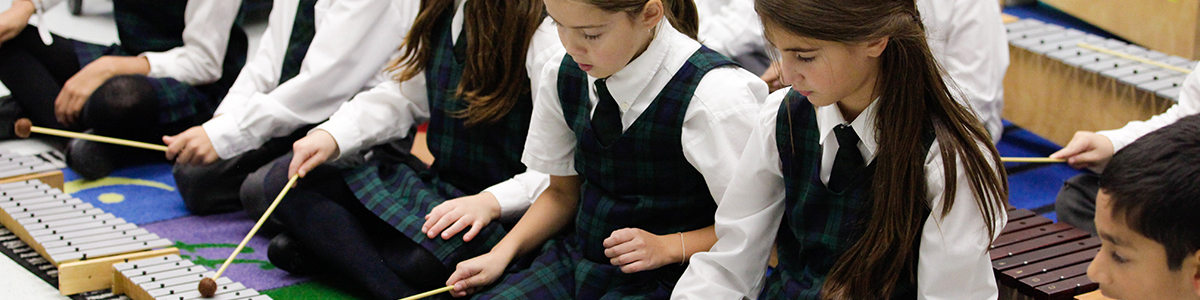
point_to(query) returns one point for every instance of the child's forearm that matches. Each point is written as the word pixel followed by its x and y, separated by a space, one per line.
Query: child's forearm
pixel 124 65
pixel 691 242
pixel 552 211
pixel 25 8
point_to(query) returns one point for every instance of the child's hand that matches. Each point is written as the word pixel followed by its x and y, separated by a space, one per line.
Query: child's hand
pixel 475 273
pixel 76 91
pixel 452 216
pixel 1086 150
pixel 15 19
pixel 773 77
pixel 636 250
pixel 311 151
pixel 191 147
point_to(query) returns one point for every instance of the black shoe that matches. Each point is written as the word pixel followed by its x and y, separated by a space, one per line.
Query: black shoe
pixel 91 160
pixel 286 253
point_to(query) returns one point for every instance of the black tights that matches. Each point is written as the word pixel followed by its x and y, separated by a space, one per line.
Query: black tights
pixel 124 106
pixel 324 215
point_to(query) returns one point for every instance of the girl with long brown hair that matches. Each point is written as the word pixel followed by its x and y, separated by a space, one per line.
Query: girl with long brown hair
pixel 392 225
pixel 639 127
pixel 871 179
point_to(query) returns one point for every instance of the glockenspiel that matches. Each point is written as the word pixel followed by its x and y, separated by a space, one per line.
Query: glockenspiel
pixel 1035 258
pixel 82 241
pixel 173 278
pixel 18 167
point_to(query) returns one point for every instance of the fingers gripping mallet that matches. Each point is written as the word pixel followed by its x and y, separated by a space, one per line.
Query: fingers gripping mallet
pixel 208 286
pixel 24 128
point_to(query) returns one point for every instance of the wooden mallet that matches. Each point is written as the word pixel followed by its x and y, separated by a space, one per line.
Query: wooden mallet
pixel 429 293
pixel 24 128
pixel 208 286
pixel 1041 160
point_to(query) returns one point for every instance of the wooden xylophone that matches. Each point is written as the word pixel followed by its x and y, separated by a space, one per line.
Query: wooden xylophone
pixel 1084 82
pixel 87 249
pixel 1035 258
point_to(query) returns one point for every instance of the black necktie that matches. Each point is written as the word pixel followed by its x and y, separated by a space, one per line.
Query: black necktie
pixel 848 161
pixel 606 120
pixel 303 30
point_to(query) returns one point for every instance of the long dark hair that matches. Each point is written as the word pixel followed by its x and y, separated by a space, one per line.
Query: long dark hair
pixel 498 36
pixel 680 13
pixel 913 99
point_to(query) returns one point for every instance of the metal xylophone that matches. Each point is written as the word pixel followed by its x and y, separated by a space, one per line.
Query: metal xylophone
pixel 87 249
pixel 173 278
pixel 1087 82
pixel 1035 258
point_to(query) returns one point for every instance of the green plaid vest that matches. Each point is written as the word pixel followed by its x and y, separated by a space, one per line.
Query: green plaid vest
pixel 470 158
pixel 818 225
pixel 642 180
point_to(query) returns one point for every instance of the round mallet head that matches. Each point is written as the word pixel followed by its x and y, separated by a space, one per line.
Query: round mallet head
pixel 23 127
pixel 208 287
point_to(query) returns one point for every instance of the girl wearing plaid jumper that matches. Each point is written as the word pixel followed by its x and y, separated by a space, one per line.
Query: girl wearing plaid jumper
pixel 638 126
pixel 175 62
pixel 868 175
pixel 393 225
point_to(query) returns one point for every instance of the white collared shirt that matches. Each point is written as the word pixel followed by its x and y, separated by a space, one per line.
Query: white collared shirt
pixel 389 110
pixel 1189 104
pixel 199 61
pixel 354 41
pixel 953 260
pixel 715 124
pixel 968 39
pixel 730 27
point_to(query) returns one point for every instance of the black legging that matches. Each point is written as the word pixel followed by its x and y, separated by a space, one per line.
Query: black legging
pixel 35 73
pixel 325 216
pixel 124 106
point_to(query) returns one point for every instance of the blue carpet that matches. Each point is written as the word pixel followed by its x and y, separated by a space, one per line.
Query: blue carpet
pixel 139 194
pixel 1032 186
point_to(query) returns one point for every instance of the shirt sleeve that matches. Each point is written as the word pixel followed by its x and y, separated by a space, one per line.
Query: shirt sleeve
pixel 734 267
pixel 953 257
pixel 731 29
pixel 43 6
pixel 718 121
pixel 199 61
pixel 378 115
pixel 1189 104
pixel 353 42
pixel 550 146
pixel 976 58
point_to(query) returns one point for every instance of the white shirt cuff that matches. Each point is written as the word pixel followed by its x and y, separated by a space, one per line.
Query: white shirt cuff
pixel 563 168
pixel 343 135
pixel 160 63
pixel 511 196
pixel 225 136
pixel 1118 139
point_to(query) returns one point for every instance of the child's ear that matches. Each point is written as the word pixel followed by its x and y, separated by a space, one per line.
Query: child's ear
pixel 876 46
pixel 652 13
pixel 1193 261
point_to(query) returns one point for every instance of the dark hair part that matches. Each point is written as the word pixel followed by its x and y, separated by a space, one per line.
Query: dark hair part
pixel 1154 184
pixel 681 13
pixel 498 34
pixel 913 99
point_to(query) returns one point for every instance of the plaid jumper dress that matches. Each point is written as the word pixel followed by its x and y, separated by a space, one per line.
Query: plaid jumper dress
pixel 155 26
pixel 819 225
pixel 640 181
pixel 469 159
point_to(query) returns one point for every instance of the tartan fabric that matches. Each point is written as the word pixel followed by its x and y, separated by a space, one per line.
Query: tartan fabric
pixel 641 181
pixel 303 30
pixel 561 272
pixel 819 225
pixel 469 159
pixel 157 25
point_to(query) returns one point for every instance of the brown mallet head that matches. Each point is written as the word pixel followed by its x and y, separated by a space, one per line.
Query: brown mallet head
pixel 23 127
pixel 208 287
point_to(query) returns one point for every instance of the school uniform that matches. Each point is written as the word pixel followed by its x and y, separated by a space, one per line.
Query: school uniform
pixel 780 193
pixel 195 49
pixel 683 116
pixel 314 55
pixel 469 159
pixel 1076 201
pixel 967 39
